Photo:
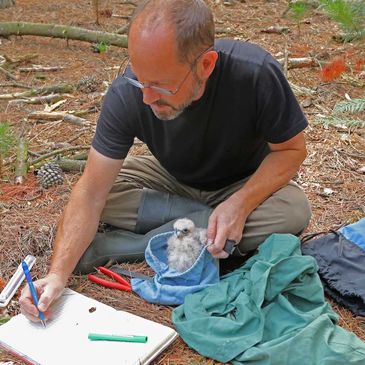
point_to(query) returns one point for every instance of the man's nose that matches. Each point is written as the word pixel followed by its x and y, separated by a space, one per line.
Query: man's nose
pixel 150 96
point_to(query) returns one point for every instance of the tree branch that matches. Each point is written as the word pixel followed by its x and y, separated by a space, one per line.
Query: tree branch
pixel 62 31
pixel 61 88
pixel 66 117
pixel 57 152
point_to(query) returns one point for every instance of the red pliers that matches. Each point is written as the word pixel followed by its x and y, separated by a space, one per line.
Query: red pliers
pixel 120 283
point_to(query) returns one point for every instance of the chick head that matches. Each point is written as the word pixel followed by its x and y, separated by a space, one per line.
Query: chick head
pixel 183 227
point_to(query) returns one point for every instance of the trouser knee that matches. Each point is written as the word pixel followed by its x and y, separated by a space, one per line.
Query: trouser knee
pixel 286 211
pixel 121 207
pixel 299 214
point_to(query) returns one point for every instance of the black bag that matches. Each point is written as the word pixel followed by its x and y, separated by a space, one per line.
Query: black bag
pixel 341 264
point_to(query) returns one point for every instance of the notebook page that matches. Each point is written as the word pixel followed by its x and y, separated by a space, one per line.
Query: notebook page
pixel 159 336
pixel 65 338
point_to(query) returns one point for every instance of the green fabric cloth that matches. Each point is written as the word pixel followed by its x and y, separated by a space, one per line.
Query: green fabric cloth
pixel 270 311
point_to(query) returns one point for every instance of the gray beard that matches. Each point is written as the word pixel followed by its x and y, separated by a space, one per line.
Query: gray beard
pixel 174 113
pixel 178 110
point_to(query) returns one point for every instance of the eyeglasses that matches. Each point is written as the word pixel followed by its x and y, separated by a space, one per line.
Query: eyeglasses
pixel 162 90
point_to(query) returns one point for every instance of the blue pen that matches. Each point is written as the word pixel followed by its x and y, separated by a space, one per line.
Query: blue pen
pixel 32 290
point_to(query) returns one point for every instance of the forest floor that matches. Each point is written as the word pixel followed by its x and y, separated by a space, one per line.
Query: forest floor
pixel 332 175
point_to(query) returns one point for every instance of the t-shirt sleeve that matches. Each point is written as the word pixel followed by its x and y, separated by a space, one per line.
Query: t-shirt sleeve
pixel 279 116
pixel 114 136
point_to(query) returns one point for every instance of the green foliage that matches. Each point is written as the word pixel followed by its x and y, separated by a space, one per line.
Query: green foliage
pixel 4 319
pixel 350 106
pixel 7 138
pixel 354 106
pixel 298 10
pixel 350 14
pixel 100 47
pixel 334 120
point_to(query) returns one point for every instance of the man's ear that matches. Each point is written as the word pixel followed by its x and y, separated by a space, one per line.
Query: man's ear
pixel 207 64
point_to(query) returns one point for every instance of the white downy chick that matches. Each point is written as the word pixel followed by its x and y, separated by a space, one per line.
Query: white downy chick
pixel 185 245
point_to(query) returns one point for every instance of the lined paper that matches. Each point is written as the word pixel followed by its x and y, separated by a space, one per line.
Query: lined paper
pixel 64 340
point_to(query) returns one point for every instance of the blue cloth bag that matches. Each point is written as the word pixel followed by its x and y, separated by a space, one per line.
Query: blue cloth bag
pixel 355 232
pixel 169 286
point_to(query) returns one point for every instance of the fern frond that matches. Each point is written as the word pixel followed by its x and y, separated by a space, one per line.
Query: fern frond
pixel 353 35
pixel 350 106
pixel 333 120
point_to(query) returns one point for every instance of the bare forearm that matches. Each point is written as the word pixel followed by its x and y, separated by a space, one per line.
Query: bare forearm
pixel 80 219
pixel 76 230
pixel 274 172
pixel 229 218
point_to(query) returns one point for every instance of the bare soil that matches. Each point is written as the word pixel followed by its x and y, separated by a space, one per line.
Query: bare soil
pixel 332 175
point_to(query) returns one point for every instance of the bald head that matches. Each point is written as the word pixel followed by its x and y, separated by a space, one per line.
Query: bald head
pixel 186 25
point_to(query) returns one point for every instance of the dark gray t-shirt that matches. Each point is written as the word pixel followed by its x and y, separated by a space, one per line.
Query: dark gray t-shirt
pixel 222 137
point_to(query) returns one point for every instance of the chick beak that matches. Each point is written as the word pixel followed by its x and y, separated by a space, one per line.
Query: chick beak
pixel 178 233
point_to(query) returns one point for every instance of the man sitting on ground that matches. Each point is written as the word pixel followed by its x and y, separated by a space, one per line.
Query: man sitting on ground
pixel 226 136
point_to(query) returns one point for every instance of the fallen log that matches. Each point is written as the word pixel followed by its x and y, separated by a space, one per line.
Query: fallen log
pixel 60 88
pixel 58 152
pixel 69 165
pixel 81 156
pixel 62 31
pixel 299 62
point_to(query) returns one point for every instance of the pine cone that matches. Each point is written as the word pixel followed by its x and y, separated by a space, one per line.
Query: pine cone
pixel 50 174
pixel 88 84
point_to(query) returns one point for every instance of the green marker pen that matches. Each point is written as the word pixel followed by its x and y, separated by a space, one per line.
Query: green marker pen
pixel 125 338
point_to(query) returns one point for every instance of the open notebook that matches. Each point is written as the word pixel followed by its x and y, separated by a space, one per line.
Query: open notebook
pixel 65 340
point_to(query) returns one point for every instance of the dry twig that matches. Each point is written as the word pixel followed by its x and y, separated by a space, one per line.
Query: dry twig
pixel 37 100
pixel 276 29
pixel 11 63
pixel 66 117
pixel 8 74
pixel 39 68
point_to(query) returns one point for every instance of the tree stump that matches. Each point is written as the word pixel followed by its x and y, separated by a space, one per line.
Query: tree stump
pixel 6 3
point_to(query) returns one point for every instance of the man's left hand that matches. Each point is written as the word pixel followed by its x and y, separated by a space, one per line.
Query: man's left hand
pixel 225 223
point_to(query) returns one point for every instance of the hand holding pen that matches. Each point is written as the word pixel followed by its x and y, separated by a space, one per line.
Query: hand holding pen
pixel 33 291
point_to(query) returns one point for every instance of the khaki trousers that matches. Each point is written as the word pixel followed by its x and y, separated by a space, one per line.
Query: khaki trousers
pixel 286 211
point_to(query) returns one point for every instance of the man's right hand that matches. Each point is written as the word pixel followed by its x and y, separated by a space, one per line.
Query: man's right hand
pixel 48 289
